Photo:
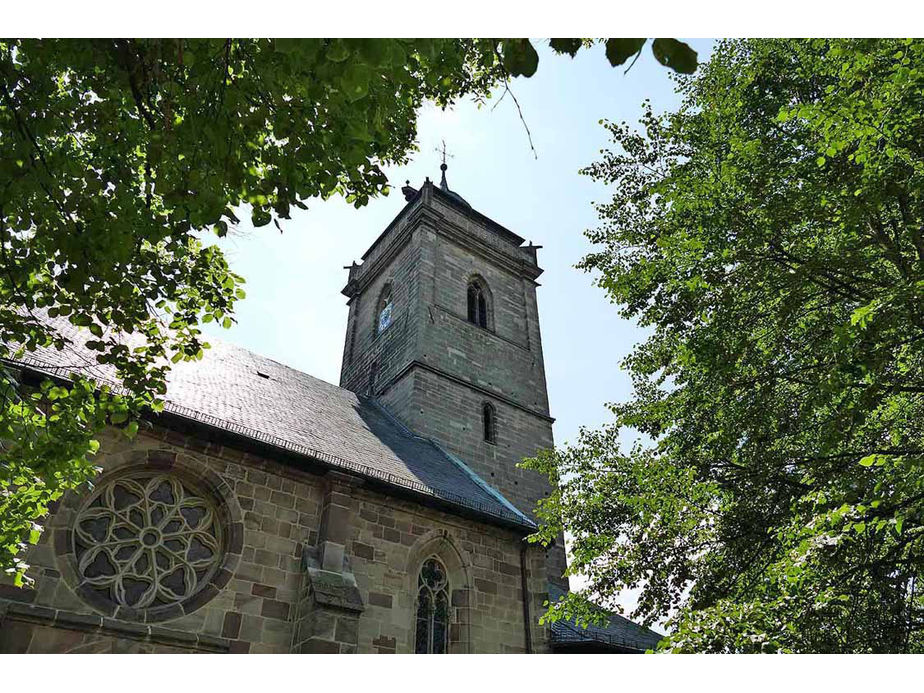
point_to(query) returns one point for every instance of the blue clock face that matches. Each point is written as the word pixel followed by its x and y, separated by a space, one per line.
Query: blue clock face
pixel 385 318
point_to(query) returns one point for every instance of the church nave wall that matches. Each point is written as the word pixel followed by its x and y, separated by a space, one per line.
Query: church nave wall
pixel 250 575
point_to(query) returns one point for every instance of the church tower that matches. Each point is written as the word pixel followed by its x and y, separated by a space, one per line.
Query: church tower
pixel 443 332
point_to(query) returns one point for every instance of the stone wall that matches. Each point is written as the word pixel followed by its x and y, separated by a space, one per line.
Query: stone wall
pixel 314 562
pixel 394 347
pixel 435 369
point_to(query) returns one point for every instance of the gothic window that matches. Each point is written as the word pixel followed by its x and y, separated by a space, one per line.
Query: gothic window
pixel 384 310
pixel 489 422
pixel 478 304
pixel 432 635
pixel 373 376
pixel 147 543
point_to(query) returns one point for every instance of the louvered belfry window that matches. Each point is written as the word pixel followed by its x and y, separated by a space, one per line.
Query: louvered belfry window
pixel 432 635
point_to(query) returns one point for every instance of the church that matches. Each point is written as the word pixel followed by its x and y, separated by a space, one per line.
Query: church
pixel 267 511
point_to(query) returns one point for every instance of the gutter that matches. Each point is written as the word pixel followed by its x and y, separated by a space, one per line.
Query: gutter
pixel 527 621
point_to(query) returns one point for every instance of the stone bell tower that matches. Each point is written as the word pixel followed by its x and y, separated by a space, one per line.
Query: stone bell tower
pixel 443 331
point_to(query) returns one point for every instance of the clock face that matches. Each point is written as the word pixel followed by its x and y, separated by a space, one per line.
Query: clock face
pixel 385 318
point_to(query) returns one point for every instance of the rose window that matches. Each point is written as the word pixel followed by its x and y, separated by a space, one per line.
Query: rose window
pixel 147 542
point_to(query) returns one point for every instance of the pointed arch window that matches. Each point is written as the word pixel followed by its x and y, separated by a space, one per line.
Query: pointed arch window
pixel 478 304
pixel 489 422
pixel 384 310
pixel 432 634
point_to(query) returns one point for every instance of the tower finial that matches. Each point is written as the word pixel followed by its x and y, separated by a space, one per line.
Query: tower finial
pixel 442 150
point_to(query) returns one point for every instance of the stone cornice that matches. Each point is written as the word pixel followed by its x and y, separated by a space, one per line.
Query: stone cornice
pixel 100 625
pixel 420 212
pixel 481 330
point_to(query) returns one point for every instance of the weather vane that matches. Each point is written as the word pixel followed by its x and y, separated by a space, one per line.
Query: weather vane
pixel 443 167
pixel 442 151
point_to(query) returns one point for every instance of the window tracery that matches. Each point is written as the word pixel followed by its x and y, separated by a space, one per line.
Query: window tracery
pixel 477 304
pixel 432 634
pixel 147 541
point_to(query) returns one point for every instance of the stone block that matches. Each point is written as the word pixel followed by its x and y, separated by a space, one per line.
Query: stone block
pixel 232 625
pixel 260 590
pixel 363 551
pixel 275 609
pixel 385 643
pixel 335 524
pixel 486 586
pixel 251 628
pixel 380 599
pixel 332 556
pixel 318 646
pixel 346 631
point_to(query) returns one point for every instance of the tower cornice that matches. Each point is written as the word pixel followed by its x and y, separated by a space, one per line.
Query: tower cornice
pixel 421 212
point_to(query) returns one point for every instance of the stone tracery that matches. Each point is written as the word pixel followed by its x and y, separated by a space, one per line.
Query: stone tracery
pixel 432 636
pixel 147 541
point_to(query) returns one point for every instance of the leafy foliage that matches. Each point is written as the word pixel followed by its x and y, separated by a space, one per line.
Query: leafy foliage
pixel 116 157
pixel 119 157
pixel 769 234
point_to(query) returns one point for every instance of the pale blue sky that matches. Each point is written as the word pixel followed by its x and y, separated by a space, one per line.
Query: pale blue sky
pixel 294 311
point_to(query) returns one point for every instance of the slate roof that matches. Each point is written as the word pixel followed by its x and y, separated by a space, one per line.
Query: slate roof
pixel 238 391
pixel 620 634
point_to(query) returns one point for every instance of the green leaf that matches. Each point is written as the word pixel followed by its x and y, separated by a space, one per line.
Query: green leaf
pixel 675 54
pixel 565 45
pixel 260 217
pixel 338 51
pixel 619 50
pixel 520 58
pixel 356 81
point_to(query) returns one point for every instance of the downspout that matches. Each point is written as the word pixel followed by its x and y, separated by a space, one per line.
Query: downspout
pixel 527 630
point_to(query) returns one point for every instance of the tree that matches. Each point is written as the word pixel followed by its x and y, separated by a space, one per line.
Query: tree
pixel 119 157
pixel 769 233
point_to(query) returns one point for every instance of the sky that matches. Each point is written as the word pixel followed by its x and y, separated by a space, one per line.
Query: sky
pixel 294 311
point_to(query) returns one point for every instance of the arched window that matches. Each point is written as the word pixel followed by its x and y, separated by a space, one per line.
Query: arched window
pixel 384 310
pixel 478 304
pixel 489 422
pixel 432 635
